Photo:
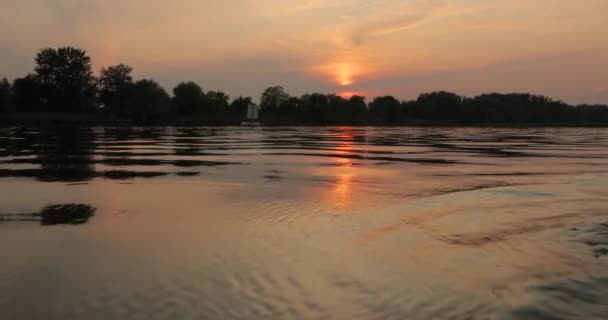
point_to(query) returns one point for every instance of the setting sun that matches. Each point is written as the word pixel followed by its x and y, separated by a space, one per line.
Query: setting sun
pixel 341 73
pixel 346 82
pixel 345 73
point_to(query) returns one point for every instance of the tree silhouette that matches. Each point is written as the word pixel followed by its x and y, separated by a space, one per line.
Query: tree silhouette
pixel 115 86
pixel 273 97
pixel 5 95
pixel 218 102
pixel 63 82
pixel 386 109
pixel 356 104
pixel 439 105
pixel 239 106
pixel 148 101
pixel 355 110
pixel 67 80
pixel 27 94
pixel 189 98
pixel 592 113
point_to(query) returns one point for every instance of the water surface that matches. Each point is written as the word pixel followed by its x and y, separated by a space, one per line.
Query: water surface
pixel 305 223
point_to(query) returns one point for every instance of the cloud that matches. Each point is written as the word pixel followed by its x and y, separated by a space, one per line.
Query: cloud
pixel 394 18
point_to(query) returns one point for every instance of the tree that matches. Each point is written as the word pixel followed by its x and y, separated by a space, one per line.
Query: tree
pixel 218 102
pixel 592 113
pixel 387 109
pixel 314 107
pixel 291 105
pixel 239 106
pixel 5 95
pixel 67 79
pixel 440 105
pixel 27 94
pixel 115 85
pixel 148 100
pixel 357 104
pixel 355 109
pixel 516 108
pixel 273 97
pixel 336 110
pixel 189 98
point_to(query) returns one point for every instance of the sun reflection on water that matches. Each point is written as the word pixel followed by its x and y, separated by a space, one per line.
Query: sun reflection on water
pixel 344 173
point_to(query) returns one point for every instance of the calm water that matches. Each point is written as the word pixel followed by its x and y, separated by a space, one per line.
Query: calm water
pixel 306 223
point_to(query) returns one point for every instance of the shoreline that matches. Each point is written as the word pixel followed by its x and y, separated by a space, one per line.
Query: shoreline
pixel 45 119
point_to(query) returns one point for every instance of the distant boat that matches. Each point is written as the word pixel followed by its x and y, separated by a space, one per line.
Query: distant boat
pixel 253 112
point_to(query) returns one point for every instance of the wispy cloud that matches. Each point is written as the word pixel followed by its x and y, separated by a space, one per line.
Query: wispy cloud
pixel 394 18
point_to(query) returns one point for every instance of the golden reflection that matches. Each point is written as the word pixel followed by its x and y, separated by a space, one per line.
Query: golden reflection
pixel 341 192
pixel 343 177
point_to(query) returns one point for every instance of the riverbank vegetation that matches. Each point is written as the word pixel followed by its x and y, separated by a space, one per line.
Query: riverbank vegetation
pixel 64 88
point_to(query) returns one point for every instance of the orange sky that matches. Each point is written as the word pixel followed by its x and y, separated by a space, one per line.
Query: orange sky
pixel 399 47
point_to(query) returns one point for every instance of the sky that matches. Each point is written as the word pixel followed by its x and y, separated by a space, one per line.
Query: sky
pixel 557 48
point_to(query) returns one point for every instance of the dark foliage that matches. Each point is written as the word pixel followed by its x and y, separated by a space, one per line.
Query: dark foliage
pixel 387 110
pixel 239 105
pixel 66 80
pixel 115 88
pixel 189 98
pixel 27 94
pixel 217 102
pixel 433 108
pixel 273 98
pixel 63 82
pixel 148 101
pixel 5 96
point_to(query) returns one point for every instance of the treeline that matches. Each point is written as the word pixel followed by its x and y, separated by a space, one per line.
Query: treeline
pixel 63 83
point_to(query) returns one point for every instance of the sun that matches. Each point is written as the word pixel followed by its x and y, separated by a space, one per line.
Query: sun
pixel 346 82
pixel 344 73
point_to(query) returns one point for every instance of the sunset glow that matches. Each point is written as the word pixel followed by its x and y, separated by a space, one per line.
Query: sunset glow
pixel 392 47
pixel 345 73
pixel 303 159
pixel 349 94
pixel 341 74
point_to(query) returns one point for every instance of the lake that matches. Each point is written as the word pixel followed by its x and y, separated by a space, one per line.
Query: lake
pixel 305 223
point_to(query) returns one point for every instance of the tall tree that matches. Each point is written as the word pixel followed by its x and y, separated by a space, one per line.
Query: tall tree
pixel 355 110
pixel 5 95
pixel 357 104
pixel 67 79
pixel 149 101
pixel 218 102
pixel 189 98
pixel 387 109
pixel 115 86
pixel 273 97
pixel 239 106
pixel 27 94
